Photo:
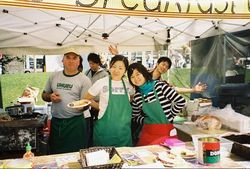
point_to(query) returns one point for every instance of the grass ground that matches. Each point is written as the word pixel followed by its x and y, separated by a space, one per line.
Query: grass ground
pixel 14 84
pixel 179 78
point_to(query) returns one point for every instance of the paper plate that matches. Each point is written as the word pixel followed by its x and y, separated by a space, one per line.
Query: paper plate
pixel 25 99
pixel 183 152
pixel 166 159
pixel 79 103
pixel 205 104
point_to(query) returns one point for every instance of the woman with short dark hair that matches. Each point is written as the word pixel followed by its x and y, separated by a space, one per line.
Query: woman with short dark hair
pixel 155 104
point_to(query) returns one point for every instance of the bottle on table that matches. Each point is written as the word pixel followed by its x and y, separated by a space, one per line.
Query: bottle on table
pixel 28 155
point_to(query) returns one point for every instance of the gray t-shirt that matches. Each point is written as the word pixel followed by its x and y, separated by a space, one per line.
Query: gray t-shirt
pixel 70 88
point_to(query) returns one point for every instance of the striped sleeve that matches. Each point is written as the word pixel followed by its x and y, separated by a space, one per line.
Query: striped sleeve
pixel 137 114
pixel 171 102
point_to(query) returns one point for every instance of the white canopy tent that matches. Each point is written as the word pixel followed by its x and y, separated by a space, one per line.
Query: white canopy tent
pixel 44 31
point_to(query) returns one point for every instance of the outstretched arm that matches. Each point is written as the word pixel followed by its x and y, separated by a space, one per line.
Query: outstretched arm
pixel 200 87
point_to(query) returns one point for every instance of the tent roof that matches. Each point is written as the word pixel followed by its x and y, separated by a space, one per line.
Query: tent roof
pixel 41 30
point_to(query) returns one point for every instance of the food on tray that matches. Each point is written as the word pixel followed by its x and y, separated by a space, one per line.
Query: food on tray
pixel 208 122
pixel 79 103
pixel 204 100
pixel 115 159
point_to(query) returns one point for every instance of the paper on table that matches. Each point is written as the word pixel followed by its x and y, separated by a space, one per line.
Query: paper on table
pixel 131 159
pixel 153 165
pixel 145 155
pixel 64 160
pixel 97 158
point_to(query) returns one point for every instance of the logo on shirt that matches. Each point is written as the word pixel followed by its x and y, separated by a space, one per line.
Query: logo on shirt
pixel 115 90
pixel 64 86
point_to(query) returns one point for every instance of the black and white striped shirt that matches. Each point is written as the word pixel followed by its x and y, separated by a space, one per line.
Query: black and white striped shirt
pixel 171 102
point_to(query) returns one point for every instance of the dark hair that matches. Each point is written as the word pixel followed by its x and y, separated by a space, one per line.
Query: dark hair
pixel 119 58
pixel 165 59
pixel 140 68
pixel 94 58
pixel 80 67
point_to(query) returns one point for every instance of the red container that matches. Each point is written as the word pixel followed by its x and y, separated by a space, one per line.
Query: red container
pixel 208 150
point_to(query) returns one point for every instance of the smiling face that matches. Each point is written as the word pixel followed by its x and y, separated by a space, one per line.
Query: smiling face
pixel 162 67
pixel 71 62
pixel 117 70
pixel 137 78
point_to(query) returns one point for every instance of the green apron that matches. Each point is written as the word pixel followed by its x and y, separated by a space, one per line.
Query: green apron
pixel 68 135
pixel 156 125
pixel 114 128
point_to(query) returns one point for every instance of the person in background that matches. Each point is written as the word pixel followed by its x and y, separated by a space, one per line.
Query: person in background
pixel 162 66
pixel 155 104
pixel 95 73
pixel 68 127
pixel 114 119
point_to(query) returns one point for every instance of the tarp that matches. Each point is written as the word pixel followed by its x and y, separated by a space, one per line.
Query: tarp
pixel 34 30
pixel 220 59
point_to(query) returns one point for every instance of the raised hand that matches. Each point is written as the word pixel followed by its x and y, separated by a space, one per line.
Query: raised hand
pixel 113 50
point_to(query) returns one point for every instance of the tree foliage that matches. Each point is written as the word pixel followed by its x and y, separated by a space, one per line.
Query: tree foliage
pixel 6 59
